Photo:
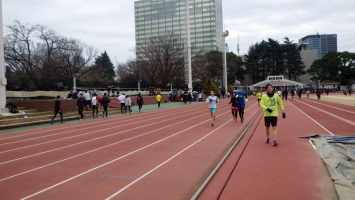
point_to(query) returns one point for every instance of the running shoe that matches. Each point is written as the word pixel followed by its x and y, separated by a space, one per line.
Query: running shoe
pixel 275 144
pixel 267 141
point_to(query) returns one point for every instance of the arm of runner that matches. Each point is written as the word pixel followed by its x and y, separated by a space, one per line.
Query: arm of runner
pixel 263 103
pixel 280 104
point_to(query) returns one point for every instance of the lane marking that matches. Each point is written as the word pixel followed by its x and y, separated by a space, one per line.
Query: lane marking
pixel 114 118
pixel 86 141
pixel 320 125
pixel 87 127
pixel 119 158
pixel 165 162
pixel 201 188
pixel 88 133
pixel 351 112
pixel 331 114
pixel 94 150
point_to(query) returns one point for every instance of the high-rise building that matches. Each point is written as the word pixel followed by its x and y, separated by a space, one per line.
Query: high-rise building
pixel 165 17
pixel 323 44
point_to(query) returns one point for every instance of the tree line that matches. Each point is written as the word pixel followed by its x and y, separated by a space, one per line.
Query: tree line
pixel 38 58
pixel 272 58
pixel 335 67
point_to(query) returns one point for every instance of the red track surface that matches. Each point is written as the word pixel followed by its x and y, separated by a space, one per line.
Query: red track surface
pixel 255 170
pixel 155 155
pixel 167 154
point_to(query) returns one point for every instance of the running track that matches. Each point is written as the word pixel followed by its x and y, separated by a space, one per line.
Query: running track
pixel 161 154
pixel 164 154
pixel 256 171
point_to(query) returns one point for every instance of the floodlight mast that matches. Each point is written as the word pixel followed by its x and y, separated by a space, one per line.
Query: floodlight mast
pixel 3 81
pixel 225 78
pixel 188 33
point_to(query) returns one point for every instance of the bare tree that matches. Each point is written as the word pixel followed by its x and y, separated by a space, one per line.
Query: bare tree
pixel 162 60
pixel 43 58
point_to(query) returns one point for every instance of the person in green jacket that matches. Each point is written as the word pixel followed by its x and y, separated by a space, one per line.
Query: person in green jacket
pixel 270 102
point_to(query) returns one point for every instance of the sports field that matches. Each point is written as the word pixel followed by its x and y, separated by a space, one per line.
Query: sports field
pixel 174 153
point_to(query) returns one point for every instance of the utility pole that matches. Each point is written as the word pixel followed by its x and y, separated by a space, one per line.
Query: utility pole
pixel 3 81
pixel 225 78
pixel 188 33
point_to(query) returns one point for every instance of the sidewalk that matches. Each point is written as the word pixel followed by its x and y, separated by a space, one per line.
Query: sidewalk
pixel 293 170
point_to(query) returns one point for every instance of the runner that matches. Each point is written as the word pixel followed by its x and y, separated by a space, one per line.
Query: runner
pixel 57 109
pixel 308 92
pixel 285 95
pixel 212 105
pixel 158 99
pixel 95 107
pixel 128 104
pixel 87 97
pixel 105 101
pixel 242 98
pixel 81 103
pixel 299 92
pixel 234 103
pixel 270 103
pixel 140 102
pixel 318 93
pixel 121 99
pixel 292 94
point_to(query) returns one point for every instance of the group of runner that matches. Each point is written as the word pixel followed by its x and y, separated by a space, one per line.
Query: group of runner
pixel 93 101
pixel 269 102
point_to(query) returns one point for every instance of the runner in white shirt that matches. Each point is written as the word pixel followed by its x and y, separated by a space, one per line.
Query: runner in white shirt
pixel 87 97
pixel 212 105
pixel 121 99
pixel 95 107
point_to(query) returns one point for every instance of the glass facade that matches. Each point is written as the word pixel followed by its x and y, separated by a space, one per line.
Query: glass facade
pixel 322 43
pixel 165 17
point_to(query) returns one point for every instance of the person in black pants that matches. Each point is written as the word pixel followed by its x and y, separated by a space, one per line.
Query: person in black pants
pixel 57 110
pixel 105 101
pixel 140 102
pixel 81 104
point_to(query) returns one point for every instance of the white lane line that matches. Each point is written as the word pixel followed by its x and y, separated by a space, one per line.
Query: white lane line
pixel 86 141
pixel 87 133
pixel 351 112
pixel 97 149
pixel 328 113
pixel 119 158
pixel 165 162
pixel 320 125
pixel 115 118
pixel 96 124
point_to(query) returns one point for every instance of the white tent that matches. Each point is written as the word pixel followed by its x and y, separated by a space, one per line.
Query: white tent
pixel 278 81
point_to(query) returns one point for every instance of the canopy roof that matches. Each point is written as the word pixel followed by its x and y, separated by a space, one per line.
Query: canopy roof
pixel 277 81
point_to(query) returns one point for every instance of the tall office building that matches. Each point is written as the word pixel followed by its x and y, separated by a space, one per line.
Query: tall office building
pixel 323 44
pixel 165 17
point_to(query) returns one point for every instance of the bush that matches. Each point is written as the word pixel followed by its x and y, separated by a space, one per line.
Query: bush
pixel 210 86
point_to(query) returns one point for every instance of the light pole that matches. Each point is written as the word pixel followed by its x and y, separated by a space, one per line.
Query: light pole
pixel 3 81
pixel 188 34
pixel 225 79
pixel 74 82
pixel 139 85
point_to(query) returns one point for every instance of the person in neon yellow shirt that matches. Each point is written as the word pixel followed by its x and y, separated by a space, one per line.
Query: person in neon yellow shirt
pixel 270 102
pixel 158 99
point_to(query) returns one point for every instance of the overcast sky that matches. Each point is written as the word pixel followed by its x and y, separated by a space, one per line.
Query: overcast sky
pixel 109 24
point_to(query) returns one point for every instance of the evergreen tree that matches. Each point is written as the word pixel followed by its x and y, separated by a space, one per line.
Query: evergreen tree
pixel 234 67
pixel 103 73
